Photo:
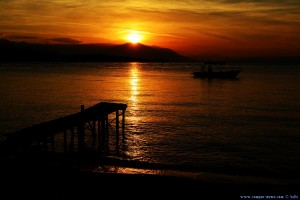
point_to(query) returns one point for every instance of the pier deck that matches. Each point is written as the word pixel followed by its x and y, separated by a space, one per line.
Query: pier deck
pixel 92 121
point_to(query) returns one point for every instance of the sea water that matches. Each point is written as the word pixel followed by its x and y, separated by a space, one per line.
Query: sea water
pixel 249 126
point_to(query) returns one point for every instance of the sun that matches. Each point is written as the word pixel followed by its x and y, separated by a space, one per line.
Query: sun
pixel 134 38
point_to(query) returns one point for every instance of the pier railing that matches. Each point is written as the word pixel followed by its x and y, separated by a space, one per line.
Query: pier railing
pixel 86 130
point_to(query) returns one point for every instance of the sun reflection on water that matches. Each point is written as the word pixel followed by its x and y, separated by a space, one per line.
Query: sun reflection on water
pixel 134 111
pixel 134 83
pixel 125 170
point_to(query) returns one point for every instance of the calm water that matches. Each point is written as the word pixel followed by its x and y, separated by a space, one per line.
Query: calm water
pixel 249 126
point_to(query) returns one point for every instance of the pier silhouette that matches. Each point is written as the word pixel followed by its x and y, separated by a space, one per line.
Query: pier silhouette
pixel 85 131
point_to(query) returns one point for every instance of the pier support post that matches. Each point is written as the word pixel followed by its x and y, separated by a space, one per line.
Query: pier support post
pixel 94 132
pixel 117 129
pixel 99 132
pixel 106 125
pixel 103 129
pixel 80 131
pixel 123 123
pixel 123 128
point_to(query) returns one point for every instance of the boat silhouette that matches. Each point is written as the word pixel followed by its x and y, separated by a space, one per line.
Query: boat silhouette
pixel 218 70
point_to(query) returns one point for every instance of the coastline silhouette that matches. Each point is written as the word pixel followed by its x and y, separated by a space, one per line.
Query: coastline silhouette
pixel 22 52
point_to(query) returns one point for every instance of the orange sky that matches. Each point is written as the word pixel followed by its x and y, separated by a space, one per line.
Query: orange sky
pixel 230 28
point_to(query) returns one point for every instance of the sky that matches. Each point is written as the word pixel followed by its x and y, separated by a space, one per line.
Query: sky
pixel 229 28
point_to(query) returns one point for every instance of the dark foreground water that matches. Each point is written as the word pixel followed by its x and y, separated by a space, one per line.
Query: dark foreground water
pixel 247 127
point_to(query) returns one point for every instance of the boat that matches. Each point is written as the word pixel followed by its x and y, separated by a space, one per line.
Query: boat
pixel 211 70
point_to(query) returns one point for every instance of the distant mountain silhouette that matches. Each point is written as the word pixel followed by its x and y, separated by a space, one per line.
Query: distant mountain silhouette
pixel 22 51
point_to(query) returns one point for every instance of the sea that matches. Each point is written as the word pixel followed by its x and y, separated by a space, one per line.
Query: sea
pixel 246 127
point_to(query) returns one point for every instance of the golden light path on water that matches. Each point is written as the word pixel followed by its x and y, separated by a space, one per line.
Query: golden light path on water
pixel 134 83
pixel 134 116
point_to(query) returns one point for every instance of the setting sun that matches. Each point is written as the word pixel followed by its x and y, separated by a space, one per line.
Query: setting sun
pixel 134 37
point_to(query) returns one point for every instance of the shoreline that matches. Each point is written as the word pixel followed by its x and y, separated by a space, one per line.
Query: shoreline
pixel 37 178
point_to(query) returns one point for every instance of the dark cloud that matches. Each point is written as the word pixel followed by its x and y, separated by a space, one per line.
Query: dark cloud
pixel 22 37
pixel 65 40
pixel 35 39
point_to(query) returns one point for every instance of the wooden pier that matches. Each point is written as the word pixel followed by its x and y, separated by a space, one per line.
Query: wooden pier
pixel 86 130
